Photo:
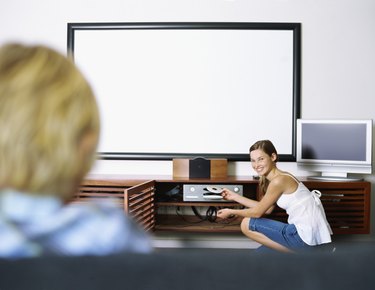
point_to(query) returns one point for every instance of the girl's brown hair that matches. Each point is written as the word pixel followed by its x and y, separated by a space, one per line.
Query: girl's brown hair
pixel 267 147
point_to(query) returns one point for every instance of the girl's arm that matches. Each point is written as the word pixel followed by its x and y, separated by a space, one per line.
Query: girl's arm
pixel 255 208
pixel 230 195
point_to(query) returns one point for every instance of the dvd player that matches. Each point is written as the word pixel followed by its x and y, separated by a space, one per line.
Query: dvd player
pixel 208 192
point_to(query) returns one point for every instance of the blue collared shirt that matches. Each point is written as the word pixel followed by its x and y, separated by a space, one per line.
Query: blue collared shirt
pixel 32 226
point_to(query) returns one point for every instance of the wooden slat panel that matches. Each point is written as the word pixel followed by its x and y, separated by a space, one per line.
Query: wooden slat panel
pixel 100 192
pixel 138 200
pixel 145 206
pixel 140 204
pixel 118 202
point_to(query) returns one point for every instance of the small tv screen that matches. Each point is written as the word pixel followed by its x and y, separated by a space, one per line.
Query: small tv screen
pixel 334 141
pixel 334 148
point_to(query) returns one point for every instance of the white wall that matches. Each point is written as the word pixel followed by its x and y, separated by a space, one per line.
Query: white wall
pixel 338 45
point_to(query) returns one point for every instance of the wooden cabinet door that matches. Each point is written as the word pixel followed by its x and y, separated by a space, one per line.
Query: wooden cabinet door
pixel 139 203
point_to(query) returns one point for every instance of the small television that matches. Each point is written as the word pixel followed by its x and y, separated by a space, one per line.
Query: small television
pixel 335 148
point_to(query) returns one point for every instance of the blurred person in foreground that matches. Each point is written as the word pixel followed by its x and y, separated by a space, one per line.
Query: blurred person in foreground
pixel 49 130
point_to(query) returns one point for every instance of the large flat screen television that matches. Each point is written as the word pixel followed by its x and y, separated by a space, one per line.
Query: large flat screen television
pixel 335 148
pixel 180 90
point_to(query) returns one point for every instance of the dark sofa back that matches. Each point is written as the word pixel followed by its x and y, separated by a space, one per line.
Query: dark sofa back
pixel 195 269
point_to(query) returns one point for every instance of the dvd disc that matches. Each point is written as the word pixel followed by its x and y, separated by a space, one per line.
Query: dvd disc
pixel 214 189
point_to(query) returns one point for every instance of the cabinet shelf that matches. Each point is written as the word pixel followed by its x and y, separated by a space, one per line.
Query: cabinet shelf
pixel 194 224
pixel 182 203
pixel 347 204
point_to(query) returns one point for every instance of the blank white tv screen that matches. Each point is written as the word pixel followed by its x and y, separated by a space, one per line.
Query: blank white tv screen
pixel 184 90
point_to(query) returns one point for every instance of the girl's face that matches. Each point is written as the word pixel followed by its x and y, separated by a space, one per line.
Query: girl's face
pixel 261 162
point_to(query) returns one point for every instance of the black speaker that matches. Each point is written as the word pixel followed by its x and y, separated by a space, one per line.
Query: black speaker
pixel 199 168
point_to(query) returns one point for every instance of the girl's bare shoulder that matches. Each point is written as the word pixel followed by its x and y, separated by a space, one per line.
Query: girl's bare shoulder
pixel 284 179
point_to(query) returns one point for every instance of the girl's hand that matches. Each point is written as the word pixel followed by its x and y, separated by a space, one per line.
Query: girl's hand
pixel 224 213
pixel 228 194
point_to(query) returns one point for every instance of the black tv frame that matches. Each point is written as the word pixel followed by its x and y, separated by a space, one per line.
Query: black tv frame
pixel 294 27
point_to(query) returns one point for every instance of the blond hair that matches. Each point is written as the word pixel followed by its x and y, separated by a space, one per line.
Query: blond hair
pixel 46 109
